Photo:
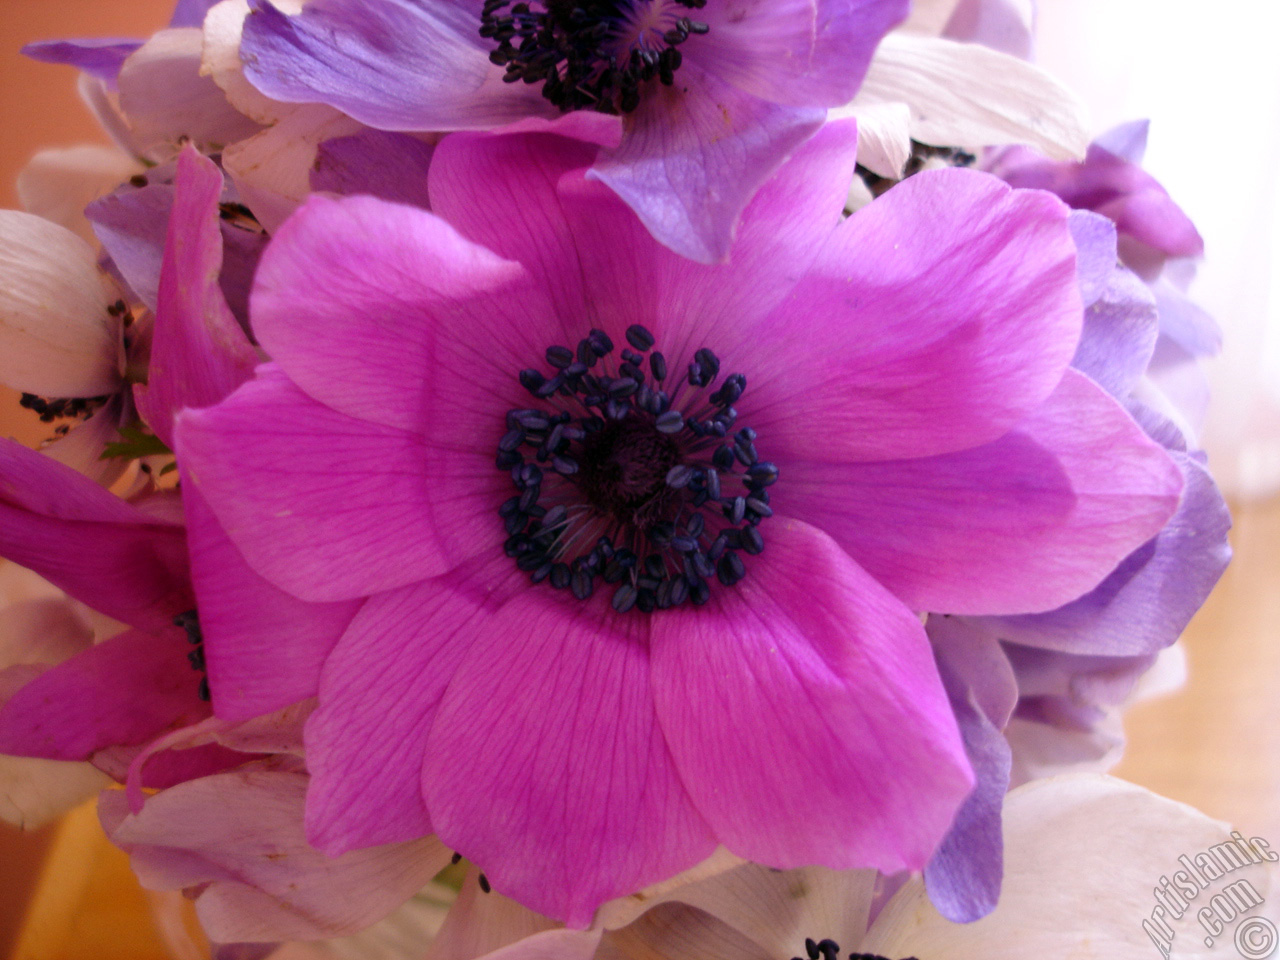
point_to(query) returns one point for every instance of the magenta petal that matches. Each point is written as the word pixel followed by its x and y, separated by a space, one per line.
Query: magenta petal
pixel 797 52
pixel 384 312
pixel 934 320
pixel 315 500
pixel 806 715
pixel 499 190
pixel 524 197
pixel 101 550
pixel 237 839
pixel 123 691
pixel 546 767
pixel 199 353
pixel 263 647
pixel 378 695
pixel 1022 524
pixel 695 153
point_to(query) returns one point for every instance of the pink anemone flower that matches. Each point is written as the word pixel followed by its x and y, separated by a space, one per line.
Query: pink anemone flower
pixel 639 540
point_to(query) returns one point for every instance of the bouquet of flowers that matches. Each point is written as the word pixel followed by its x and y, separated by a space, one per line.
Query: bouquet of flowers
pixel 687 459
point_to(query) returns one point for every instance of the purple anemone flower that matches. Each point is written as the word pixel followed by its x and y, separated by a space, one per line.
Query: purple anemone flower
pixel 713 94
pixel 638 541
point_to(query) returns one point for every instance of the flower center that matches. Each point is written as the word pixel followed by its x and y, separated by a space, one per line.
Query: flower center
pixel 590 54
pixel 633 479
pixel 830 950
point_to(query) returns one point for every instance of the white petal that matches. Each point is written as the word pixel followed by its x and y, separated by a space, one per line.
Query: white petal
pixel 221 60
pixel 59 184
pixel 56 337
pixel 929 16
pixel 1041 750
pixel 33 792
pixel 272 170
pixel 884 135
pixel 965 95
pixel 166 99
pixel 1083 856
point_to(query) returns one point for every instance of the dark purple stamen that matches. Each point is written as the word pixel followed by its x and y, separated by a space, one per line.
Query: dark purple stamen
pixel 189 622
pixel 830 950
pixel 590 54
pixel 655 493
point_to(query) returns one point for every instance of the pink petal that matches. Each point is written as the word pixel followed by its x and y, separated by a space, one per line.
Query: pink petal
pixel 385 312
pixel 317 501
pixel 378 696
pixel 103 551
pixel 199 354
pixel 545 765
pixel 263 647
pixel 695 153
pixel 934 320
pixel 1024 524
pixel 237 837
pixel 806 715
pixel 524 197
pixel 123 691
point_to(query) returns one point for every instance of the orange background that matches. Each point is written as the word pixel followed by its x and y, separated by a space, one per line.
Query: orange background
pixel 1215 745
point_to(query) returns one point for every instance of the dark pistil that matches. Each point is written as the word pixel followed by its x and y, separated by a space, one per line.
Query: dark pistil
pixel 615 483
pixel 588 54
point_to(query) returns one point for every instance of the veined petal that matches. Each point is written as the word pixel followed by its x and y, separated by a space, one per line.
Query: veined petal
pixel 820 732
pixel 386 313
pixel 567 797
pixel 1148 600
pixel 932 320
pixel 390 64
pixel 238 838
pixel 263 647
pixel 966 95
pixel 56 337
pixel 695 153
pixel 315 500
pixel 795 52
pixel 1027 522
pixel 379 693
pixel 199 353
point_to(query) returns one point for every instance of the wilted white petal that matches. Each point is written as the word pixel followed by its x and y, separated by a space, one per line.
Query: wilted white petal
pixel 272 171
pixel 965 95
pixel 220 60
pixel 671 931
pixel 33 792
pixel 59 184
pixel 166 98
pixel 1083 856
pixel 884 135
pixel 56 337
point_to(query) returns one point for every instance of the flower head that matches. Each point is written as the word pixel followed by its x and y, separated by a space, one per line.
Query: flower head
pixel 468 400
pixel 715 94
